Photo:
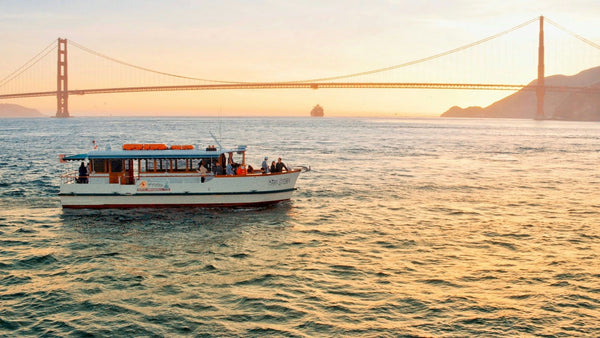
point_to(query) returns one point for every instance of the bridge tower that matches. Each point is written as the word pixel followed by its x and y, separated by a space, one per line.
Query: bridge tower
pixel 541 89
pixel 62 91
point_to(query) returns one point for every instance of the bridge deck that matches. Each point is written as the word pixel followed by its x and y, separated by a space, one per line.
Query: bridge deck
pixel 308 85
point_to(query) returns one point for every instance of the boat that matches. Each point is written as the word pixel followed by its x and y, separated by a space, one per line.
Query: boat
pixel 156 175
pixel 317 111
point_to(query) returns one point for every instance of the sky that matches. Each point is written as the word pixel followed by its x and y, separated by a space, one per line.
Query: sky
pixel 290 40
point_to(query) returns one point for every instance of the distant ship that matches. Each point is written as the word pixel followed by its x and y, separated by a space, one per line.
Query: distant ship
pixel 317 111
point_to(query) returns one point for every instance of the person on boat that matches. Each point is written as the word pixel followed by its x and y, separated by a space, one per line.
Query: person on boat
pixel 265 166
pixel 229 168
pixel 280 166
pixel 219 168
pixel 273 168
pixel 83 173
pixel 202 170
pixel 240 170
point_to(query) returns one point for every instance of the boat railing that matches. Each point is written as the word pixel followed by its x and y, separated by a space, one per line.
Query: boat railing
pixel 302 168
pixel 72 177
pixel 191 174
pixel 160 175
pixel 69 177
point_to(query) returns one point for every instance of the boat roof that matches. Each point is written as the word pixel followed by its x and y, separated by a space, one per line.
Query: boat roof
pixel 151 154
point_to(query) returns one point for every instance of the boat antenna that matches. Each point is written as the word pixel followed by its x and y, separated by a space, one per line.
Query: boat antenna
pixel 220 122
pixel 217 141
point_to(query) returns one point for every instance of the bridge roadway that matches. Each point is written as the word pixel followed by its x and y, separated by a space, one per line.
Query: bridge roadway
pixel 306 85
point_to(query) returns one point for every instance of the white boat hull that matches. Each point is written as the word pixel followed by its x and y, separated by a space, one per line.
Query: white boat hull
pixel 180 191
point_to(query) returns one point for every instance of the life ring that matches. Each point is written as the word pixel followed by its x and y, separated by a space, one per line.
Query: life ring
pixel 182 147
pixel 133 146
pixel 143 185
pixel 155 146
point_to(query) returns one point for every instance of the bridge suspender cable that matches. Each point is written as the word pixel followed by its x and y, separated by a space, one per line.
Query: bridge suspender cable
pixel 93 52
pixel 423 59
pixel 589 42
pixel 318 79
pixel 51 47
pixel 312 83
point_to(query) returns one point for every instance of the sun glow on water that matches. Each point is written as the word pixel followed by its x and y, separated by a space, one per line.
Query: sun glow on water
pixel 418 226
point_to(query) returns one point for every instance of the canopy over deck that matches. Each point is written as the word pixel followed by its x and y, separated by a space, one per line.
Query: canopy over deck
pixel 151 154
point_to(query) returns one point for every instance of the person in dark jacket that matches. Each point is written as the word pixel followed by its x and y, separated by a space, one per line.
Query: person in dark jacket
pixel 83 173
pixel 273 168
pixel 280 166
pixel 219 169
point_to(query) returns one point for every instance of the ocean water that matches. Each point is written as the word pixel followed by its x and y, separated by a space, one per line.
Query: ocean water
pixel 403 227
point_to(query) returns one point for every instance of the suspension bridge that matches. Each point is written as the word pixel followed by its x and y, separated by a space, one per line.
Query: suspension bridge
pixel 62 91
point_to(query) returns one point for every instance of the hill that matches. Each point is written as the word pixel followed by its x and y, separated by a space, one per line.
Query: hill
pixel 15 110
pixel 557 105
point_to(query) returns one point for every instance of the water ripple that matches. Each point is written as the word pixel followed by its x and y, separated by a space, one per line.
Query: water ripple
pixel 405 227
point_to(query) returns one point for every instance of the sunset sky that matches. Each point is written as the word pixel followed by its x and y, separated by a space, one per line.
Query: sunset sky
pixel 296 40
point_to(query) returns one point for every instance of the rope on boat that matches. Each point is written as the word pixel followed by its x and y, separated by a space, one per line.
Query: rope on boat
pixel 302 168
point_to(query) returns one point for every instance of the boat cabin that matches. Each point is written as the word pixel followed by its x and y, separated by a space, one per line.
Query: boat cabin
pixel 137 161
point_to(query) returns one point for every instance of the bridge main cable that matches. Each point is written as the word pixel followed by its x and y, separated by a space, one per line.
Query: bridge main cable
pixel 577 36
pixel 433 57
pixel 39 56
pixel 339 77
pixel 93 52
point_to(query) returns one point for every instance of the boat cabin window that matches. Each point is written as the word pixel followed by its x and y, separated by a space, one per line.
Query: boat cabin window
pixel 173 165
pixel 129 165
pixel 116 166
pixel 181 165
pixel 163 165
pixel 156 165
pixel 99 166
pixel 146 166
pixel 151 165
pixel 207 163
